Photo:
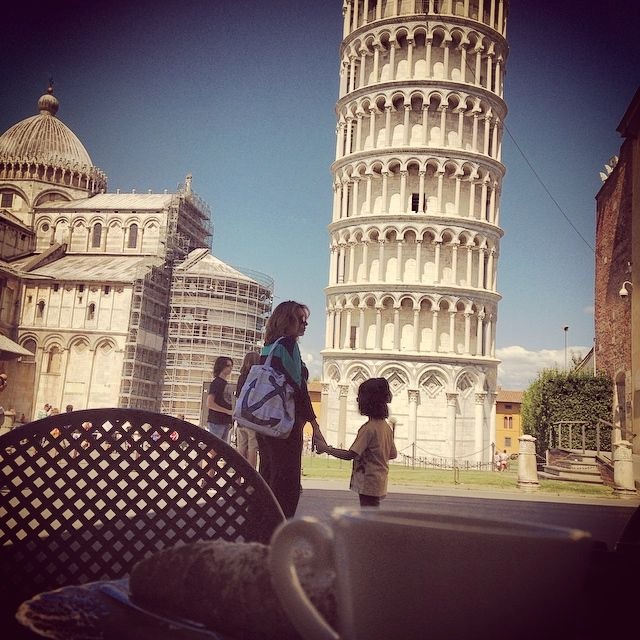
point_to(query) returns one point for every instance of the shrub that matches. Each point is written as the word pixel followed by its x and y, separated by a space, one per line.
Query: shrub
pixel 557 395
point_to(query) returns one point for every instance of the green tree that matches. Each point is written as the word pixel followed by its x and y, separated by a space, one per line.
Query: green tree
pixel 558 395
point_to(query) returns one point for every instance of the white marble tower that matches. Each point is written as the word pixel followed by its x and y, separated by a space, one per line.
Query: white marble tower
pixel 415 229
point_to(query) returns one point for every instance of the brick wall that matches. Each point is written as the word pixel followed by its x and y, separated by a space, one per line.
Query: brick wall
pixel 612 268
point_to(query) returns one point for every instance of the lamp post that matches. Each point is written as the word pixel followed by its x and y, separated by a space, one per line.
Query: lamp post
pixel 566 333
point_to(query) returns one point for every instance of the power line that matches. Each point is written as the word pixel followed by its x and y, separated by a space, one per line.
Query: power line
pixel 535 173
pixel 544 186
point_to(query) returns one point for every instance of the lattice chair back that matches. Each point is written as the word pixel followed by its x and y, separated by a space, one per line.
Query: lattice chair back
pixel 85 495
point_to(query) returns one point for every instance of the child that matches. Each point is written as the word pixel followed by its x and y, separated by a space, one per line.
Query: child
pixel 373 447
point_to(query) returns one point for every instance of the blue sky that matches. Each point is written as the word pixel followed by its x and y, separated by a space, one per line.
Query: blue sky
pixel 242 93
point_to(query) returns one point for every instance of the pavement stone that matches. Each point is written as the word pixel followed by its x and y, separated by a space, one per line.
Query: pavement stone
pixel 471 492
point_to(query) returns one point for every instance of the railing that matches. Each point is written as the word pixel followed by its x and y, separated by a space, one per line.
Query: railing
pixel 421 459
pixel 564 434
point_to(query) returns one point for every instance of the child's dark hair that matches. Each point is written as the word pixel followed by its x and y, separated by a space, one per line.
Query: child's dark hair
pixel 373 396
pixel 221 363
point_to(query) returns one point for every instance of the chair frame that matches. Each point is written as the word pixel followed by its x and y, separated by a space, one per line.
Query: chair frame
pixel 87 494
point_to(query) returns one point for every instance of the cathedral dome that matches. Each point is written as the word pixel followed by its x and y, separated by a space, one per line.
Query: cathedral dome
pixel 44 138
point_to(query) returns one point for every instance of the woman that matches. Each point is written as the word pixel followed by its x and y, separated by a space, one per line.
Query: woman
pixel 281 459
pixel 246 442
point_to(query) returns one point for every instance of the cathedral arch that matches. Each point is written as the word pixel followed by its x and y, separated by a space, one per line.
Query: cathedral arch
pixel 30 344
pixel 51 195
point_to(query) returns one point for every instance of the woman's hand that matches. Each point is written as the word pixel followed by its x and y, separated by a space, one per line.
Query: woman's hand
pixel 319 444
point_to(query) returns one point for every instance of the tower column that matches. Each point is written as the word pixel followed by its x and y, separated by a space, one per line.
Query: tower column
pixel 372 127
pixel 352 251
pixel 419 260
pixel 365 260
pixel 347 334
pixel 413 396
pixel 367 204
pixel 416 329
pixel 434 330
pixel 478 425
pixel 359 116
pixel 467 333
pixel 436 278
pixel 452 328
pixel 396 328
pixel 451 424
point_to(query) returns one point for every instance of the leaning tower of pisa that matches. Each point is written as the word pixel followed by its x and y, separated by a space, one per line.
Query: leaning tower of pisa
pixel 415 228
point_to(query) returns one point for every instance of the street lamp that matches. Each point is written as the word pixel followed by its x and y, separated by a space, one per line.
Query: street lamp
pixel 566 333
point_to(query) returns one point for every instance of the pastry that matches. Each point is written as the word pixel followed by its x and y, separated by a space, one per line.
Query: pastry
pixel 227 587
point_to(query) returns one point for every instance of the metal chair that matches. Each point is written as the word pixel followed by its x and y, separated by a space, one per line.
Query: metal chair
pixel 85 495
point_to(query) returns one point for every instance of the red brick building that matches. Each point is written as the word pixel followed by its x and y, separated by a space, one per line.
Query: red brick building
pixel 617 274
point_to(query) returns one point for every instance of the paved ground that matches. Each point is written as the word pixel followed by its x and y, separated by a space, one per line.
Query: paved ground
pixel 604 518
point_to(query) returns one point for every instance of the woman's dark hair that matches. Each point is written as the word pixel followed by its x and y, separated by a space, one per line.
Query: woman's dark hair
pixel 373 397
pixel 220 363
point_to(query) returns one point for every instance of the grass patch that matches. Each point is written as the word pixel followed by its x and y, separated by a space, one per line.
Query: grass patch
pixel 324 467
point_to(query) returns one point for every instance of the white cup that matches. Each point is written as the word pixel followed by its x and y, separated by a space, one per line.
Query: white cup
pixel 420 574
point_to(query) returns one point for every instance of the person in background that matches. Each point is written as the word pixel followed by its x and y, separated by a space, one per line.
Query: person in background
pixel 219 401
pixel 246 441
pixel 68 408
pixel 4 381
pixel 503 460
pixel 44 412
pixel 373 447
pixel 281 458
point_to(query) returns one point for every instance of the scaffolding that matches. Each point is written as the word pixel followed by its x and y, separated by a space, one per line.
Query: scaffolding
pixel 188 227
pixel 215 310
pixel 144 351
pixel 188 224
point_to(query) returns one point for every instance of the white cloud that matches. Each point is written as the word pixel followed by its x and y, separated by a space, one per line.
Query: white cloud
pixel 313 361
pixel 516 371
pixel 519 366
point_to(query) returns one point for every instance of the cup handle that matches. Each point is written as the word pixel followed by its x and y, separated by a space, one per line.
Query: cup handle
pixel 304 616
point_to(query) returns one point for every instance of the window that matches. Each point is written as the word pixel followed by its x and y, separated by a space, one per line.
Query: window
pixel 508 422
pixel 96 237
pixel 80 288
pixel 91 311
pixel 133 236
pixel 107 289
pixel 53 360
pixel 6 200
pixel 40 309
pixel 507 442
pixel 352 337
pixel 56 286
pixel 415 202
